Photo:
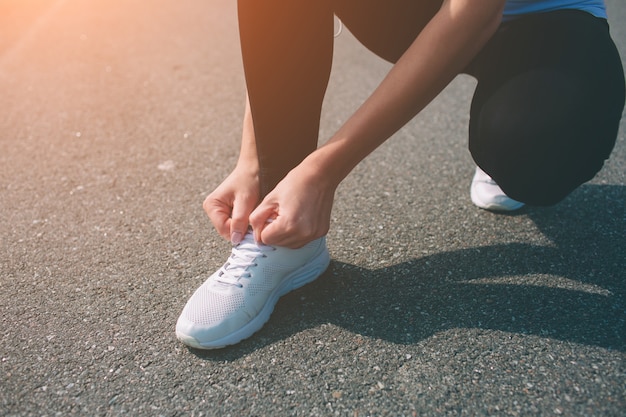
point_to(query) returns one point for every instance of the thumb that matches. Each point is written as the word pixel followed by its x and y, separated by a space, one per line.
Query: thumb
pixel 239 223
pixel 264 214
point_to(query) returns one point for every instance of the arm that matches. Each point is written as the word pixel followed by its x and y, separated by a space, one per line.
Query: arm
pixel 302 202
pixel 230 205
pixel 445 46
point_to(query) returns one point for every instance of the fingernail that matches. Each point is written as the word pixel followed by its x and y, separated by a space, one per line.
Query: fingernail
pixel 236 238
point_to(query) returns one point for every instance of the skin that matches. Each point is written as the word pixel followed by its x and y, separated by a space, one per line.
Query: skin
pixel 298 209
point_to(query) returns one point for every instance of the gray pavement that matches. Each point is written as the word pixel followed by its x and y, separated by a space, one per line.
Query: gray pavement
pixel 118 117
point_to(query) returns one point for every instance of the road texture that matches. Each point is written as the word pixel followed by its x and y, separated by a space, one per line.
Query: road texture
pixel 119 116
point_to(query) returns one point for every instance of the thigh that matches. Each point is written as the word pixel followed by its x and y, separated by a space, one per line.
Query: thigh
pixel 548 103
pixel 386 27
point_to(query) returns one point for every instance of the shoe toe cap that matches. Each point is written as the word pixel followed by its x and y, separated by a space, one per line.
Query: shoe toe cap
pixel 209 317
pixel 208 335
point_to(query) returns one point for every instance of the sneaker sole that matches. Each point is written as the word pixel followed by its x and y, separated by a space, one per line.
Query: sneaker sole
pixel 501 208
pixel 295 280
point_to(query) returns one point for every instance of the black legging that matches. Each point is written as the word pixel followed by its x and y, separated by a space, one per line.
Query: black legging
pixel 545 112
pixel 547 106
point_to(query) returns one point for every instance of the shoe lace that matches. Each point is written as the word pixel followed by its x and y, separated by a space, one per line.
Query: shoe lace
pixel 243 256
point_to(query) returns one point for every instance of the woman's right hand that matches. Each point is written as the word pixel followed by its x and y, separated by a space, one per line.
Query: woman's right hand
pixel 230 205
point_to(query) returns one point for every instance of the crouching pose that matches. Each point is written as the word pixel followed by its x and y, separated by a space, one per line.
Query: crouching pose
pixel 544 118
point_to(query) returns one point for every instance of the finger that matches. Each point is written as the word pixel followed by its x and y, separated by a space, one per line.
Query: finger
pixel 278 233
pixel 239 221
pixel 219 214
pixel 274 234
pixel 264 214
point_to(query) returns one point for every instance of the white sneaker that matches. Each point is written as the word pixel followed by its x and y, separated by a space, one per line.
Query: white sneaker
pixel 487 195
pixel 237 300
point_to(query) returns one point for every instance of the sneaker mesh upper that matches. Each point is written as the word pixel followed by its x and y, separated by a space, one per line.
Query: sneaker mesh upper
pixel 211 307
pixel 234 302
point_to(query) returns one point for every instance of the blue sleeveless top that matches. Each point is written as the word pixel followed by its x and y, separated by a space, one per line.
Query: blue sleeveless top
pixel 516 8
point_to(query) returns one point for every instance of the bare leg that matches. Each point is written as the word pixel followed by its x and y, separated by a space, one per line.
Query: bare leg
pixel 386 27
pixel 287 51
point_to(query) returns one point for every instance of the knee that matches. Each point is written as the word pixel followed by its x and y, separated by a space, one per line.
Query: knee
pixel 539 147
pixel 539 180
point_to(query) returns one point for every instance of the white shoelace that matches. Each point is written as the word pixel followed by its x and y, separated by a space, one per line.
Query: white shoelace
pixel 243 256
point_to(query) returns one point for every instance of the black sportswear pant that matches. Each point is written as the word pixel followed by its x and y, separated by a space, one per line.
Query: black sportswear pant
pixel 547 107
pixel 544 116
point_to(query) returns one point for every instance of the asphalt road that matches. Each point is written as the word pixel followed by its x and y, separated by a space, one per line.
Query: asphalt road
pixel 118 117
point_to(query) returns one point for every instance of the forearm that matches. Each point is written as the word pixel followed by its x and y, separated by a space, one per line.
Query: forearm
pixel 248 157
pixel 445 46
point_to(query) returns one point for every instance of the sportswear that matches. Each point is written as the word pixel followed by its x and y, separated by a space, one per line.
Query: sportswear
pixel 516 8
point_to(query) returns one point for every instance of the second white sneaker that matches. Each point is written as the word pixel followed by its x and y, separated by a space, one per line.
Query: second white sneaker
pixel 486 194
pixel 237 300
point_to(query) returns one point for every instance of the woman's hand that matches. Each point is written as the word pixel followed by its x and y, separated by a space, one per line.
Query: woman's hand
pixel 230 205
pixel 296 211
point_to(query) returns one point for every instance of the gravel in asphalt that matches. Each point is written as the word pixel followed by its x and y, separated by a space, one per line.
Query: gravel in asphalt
pixel 118 117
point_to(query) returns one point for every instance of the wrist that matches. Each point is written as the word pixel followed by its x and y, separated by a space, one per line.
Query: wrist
pixel 247 165
pixel 326 166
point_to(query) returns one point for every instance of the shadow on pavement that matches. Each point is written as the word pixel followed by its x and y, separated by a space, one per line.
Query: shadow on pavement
pixel 571 290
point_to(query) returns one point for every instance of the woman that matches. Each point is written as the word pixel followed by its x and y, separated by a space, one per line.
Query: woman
pixel 544 118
